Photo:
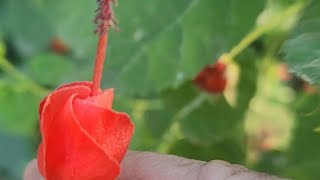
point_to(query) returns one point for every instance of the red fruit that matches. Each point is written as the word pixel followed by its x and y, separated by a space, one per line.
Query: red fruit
pixel 82 137
pixel 212 78
pixel 58 46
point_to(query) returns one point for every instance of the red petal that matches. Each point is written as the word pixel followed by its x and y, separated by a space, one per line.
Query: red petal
pixel 51 107
pixel 87 144
pixel 41 159
pixel 60 96
pixel 77 83
pixel 111 130
pixel 70 154
pixel 104 100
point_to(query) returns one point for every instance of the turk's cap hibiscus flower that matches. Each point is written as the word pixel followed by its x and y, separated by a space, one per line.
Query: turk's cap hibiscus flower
pixel 83 138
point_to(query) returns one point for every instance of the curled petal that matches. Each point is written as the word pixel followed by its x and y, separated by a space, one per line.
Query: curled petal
pixel 82 137
pixel 109 129
pixel 71 155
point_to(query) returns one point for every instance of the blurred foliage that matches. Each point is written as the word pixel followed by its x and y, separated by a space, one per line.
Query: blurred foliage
pixel 265 119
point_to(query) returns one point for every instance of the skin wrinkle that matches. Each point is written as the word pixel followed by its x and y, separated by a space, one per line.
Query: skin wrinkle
pixel 191 168
pixel 174 167
pixel 237 169
pixel 215 170
pixel 199 170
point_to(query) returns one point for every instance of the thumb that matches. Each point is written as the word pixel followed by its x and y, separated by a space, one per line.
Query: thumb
pixel 153 166
pixel 31 172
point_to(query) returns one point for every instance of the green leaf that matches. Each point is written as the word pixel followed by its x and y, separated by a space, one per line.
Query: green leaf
pixel 18 110
pixel 204 119
pixel 160 45
pixel 73 23
pixel 28 28
pixel 272 162
pixel 53 70
pixel 305 171
pixel 142 139
pixel 210 122
pixel 158 122
pixel 227 150
pixel 248 79
pixel 176 98
pixel 302 50
pixel 303 155
pixel 3 11
pixel 212 27
pixel 161 54
pixel 303 56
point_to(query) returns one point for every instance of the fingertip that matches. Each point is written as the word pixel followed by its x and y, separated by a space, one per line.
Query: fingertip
pixel 216 168
pixel 149 165
pixel 223 170
pixel 32 172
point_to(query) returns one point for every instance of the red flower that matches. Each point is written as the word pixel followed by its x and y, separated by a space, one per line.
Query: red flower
pixel 212 78
pixel 82 137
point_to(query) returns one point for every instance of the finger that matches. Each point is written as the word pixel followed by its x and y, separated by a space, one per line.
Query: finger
pixel 31 172
pixel 152 166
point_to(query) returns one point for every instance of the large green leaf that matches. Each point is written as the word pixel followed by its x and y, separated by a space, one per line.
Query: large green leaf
pixel 204 119
pixel 3 11
pixel 210 122
pixel 200 33
pixel 158 121
pixel 273 162
pixel 302 50
pixel 72 22
pixel 213 27
pixel 248 79
pixel 18 109
pixel 28 28
pixel 305 171
pixel 53 70
pixel 303 154
pixel 227 150
pixel 161 43
pixel 142 139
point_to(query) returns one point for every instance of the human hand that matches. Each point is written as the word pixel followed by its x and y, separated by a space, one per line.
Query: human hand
pixel 153 166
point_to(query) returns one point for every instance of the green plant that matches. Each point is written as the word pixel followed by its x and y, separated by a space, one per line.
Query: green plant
pixel 260 120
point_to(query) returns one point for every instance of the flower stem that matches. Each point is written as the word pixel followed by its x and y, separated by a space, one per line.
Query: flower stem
pixel 98 67
pixel 260 30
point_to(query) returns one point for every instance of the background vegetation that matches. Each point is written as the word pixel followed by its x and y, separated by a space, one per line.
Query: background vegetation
pixel 266 118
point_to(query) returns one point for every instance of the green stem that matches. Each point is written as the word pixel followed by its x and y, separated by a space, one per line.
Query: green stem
pixel 260 30
pixel 174 132
pixel 194 104
pixel 169 138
